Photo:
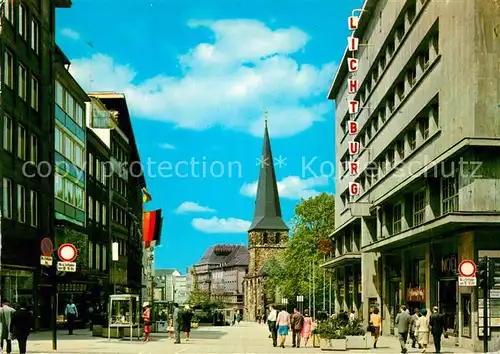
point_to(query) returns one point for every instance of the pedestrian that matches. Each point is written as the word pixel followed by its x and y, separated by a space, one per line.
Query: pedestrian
pixel 234 319
pixel 296 322
pixel 438 327
pixel 21 324
pixel 91 311
pixel 71 313
pixel 423 330
pixel 283 323
pixel 413 329
pixel 187 316
pixel 177 324
pixel 352 316
pixel 5 325
pixel 403 320
pixel 170 326
pixel 306 328
pixel 271 322
pixel 146 316
pixel 238 318
pixel 376 322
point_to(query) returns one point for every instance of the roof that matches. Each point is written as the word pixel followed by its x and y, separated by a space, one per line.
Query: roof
pixel 237 257
pixel 364 18
pixel 167 271
pixel 267 215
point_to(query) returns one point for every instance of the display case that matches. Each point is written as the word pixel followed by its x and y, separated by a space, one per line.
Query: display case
pixel 124 314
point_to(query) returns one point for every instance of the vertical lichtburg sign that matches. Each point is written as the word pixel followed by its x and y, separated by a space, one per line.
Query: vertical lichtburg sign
pixel 353 105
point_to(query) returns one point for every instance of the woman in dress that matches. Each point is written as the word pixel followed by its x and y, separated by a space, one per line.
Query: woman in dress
pixel 306 328
pixel 170 326
pixel 376 322
pixel 146 316
pixel 422 328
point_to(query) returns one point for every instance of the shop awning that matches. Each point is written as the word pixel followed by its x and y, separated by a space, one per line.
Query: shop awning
pixel 347 258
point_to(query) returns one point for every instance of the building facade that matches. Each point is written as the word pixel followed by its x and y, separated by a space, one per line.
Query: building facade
pixel 268 234
pixel 418 138
pixel 171 286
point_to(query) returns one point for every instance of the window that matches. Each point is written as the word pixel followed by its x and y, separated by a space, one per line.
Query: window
pixel 381 114
pixel 35 36
pixel 397 216
pixel 400 89
pixel 22 84
pixel 59 186
pixel 400 147
pixel 400 31
pixel 277 238
pixel 9 10
pixel 97 211
pixel 424 127
pixel 97 169
pixel 7 198
pixel 8 70
pixel 34 208
pixel 425 58
pixel 68 148
pixel 21 142
pixel 33 148
pixel 21 203
pixel 449 194
pixel 390 102
pixel 412 139
pixel 91 255
pixel 59 94
pixel 78 155
pixel 104 257
pixel 411 11
pixel 23 22
pixel 59 141
pixel 412 76
pixel 104 215
pixel 69 106
pixel 98 256
pixel 91 208
pixel 79 115
pixel 104 173
pixel 390 158
pixel 419 205
pixel 69 192
pixel 78 198
pixel 34 93
pixel 7 133
pixel 91 164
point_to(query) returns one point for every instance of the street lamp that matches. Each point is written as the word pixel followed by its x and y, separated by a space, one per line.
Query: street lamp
pixel 284 301
pixel 164 279
pixel 300 301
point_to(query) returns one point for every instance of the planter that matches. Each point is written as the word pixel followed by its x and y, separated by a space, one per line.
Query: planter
pixel 316 340
pixel 97 331
pixel 114 332
pixel 136 332
pixel 194 325
pixel 333 344
pixel 358 342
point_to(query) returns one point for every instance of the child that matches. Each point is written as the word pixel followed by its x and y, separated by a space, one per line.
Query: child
pixel 170 326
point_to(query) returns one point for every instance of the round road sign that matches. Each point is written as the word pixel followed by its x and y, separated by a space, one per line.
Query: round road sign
pixel 467 268
pixel 67 252
pixel 46 247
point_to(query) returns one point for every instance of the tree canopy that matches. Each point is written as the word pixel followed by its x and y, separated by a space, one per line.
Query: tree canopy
pixel 291 271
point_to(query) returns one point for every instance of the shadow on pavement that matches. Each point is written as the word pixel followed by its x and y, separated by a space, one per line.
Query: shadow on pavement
pixel 202 334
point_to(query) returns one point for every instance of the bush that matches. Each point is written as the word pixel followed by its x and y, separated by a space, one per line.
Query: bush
pixel 355 328
pixel 331 328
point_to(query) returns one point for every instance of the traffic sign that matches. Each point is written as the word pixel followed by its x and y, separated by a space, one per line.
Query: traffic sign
pixel 467 268
pixel 66 267
pixel 47 247
pixel 467 281
pixel 45 261
pixel 67 252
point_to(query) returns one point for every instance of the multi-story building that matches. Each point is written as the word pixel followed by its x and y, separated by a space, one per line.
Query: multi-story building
pixel 109 118
pixel 98 215
pixel 221 272
pixel 26 96
pixel 171 286
pixel 423 194
pixel 70 181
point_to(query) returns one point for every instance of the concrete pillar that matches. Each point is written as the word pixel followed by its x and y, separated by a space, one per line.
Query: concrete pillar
pixel 404 275
pixel 337 291
pixel 370 282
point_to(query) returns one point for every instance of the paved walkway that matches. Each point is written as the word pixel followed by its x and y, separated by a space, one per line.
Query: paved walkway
pixel 245 338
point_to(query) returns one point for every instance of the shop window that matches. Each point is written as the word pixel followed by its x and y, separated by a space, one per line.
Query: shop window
pixel 397 217
pixel 419 206
pixel 17 285
pixel 449 194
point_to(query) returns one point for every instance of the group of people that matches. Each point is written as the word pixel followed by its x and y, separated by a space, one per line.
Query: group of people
pixel 419 326
pixel 176 320
pixel 281 323
pixel 15 324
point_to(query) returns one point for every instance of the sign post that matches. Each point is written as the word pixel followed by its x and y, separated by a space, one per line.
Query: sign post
pixel 67 254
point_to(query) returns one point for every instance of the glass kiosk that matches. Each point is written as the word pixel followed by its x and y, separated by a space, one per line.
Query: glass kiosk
pixel 124 314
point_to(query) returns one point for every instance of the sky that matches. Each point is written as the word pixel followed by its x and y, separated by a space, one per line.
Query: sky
pixel 198 76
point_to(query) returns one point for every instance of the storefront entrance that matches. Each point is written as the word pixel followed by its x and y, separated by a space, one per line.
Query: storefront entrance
pixel 447 298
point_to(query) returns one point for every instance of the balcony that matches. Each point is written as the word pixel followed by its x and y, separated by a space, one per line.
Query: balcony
pixel 104 119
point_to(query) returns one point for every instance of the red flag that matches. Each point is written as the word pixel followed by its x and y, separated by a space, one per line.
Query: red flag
pixel 151 223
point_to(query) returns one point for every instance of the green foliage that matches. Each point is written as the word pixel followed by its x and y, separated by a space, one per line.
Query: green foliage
pixel 201 299
pixel 290 271
pixel 331 328
pixel 77 239
pixel 355 328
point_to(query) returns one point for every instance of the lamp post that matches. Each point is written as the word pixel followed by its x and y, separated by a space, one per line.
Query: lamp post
pixel 164 279
pixel 284 301
pixel 300 302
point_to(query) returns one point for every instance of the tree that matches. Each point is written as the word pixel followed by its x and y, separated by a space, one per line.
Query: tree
pixel 291 271
pixel 199 298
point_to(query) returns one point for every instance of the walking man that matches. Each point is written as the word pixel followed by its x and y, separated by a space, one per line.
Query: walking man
pixel 271 322
pixel 21 324
pixel 5 325
pixel 177 324
pixel 438 327
pixel 71 314
pixel 297 321
pixel 403 320
pixel 413 327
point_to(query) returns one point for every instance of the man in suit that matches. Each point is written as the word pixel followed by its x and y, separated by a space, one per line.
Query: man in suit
pixel 403 320
pixel 21 323
pixel 438 327
pixel 177 324
pixel 5 321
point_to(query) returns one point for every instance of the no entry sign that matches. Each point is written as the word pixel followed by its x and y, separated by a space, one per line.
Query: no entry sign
pixel 467 268
pixel 67 252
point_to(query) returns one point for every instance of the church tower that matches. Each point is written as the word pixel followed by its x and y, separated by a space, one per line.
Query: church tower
pixel 268 234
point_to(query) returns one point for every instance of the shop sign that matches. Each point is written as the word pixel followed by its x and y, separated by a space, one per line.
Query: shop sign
pixel 449 264
pixel 415 294
pixel 352 103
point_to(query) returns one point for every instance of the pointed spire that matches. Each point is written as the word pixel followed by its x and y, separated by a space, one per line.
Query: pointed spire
pixel 267 216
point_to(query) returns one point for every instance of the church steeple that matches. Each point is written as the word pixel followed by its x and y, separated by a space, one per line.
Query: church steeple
pixel 267 215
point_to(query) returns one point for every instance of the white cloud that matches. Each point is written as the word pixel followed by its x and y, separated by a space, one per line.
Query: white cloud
pixel 167 146
pixel 215 225
pixel 68 32
pixel 228 82
pixel 291 187
pixel 192 207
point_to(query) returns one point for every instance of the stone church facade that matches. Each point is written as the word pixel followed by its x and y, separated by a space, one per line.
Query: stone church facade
pixel 267 235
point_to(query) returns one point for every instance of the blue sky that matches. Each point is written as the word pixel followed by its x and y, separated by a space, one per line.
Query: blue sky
pixel 197 76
